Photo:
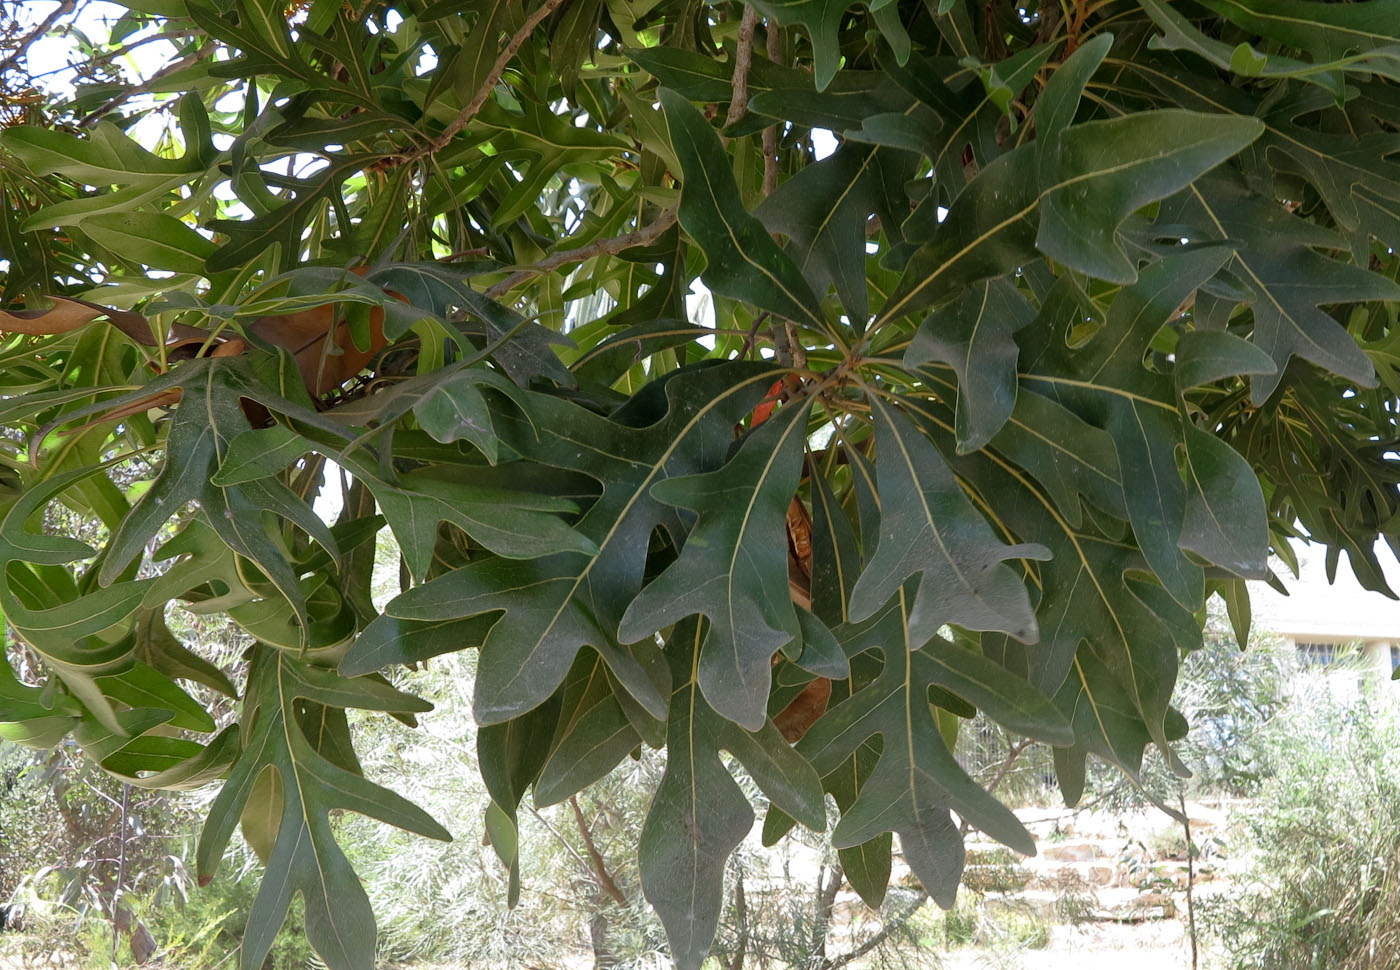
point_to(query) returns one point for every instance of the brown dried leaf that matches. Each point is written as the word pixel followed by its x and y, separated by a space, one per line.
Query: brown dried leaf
pixel 322 368
pixel 304 334
pixel 63 317
pixel 68 314
pixel 794 720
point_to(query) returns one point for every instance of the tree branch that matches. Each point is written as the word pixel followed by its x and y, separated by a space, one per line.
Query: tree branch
pixel 128 93
pixel 743 59
pixel 1014 750
pixel 741 915
pixel 62 10
pixel 600 867
pixel 603 247
pixel 125 49
pixel 890 927
pixel 828 885
pixel 479 99
pixel 1190 878
pixel 770 134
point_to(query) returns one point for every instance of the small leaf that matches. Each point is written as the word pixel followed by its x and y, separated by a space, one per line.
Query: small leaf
pixel 823 19
pixel 259 453
pixel 1205 356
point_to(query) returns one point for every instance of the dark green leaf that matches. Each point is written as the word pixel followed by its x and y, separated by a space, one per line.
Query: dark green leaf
pixel 929 529
pixel 744 262
pixel 731 569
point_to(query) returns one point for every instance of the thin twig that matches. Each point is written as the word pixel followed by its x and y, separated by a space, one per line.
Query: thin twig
pixel 751 338
pixel 741 916
pixel 121 870
pixel 1013 751
pixel 125 49
pixel 558 837
pixel 600 867
pixel 891 927
pixel 479 99
pixel 782 350
pixel 770 134
pixel 743 58
pixel 603 247
pixel 828 885
pixel 130 92
pixel 799 353
pixel 1190 878
pixel 62 10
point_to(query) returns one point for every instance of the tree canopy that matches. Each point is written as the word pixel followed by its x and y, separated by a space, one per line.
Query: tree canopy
pixel 777 384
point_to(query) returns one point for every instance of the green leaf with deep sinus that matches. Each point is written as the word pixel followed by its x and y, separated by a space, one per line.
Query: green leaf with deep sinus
pixel 825 208
pixel 555 605
pixel 1070 211
pixel 744 261
pixel 1277 257
pixel 916 780
pixel 731 568
pixel 205 423
pixel 304 856
pixel 929 529
pixel 823 19
pixel 699 815
pixel 974 337
pixel 1135 631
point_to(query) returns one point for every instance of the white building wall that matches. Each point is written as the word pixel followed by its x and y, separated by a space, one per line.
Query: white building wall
pixel 1341 612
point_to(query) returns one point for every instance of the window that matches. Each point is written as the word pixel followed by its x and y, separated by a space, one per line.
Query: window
pixel 1319 654
pixel 1394 657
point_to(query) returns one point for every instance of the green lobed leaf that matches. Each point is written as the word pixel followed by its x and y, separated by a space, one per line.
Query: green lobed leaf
pixel 929 530
pixel 973 337
pixel 556 605
pixel 303 856
pixel 744 262
pixel 699 815
pixel 730 568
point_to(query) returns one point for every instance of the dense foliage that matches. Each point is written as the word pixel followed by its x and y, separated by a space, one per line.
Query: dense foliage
pixel 1090 308
pixel 1322 886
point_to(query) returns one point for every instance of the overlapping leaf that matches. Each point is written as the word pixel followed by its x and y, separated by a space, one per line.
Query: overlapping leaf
pixel 1134 631
pixel 1071 211
pixel 292 780
pixel 731 568
pixel 699 815
pixel 974 338
pixel 825 209
pixel 823 19
pixel 744 262
pixel 553 606
pixel 1142 232
pixel 915 779
pixel 931 532
pixel 1277 260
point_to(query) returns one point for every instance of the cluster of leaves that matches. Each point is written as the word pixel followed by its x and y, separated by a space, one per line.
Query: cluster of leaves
pixel 1088 309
